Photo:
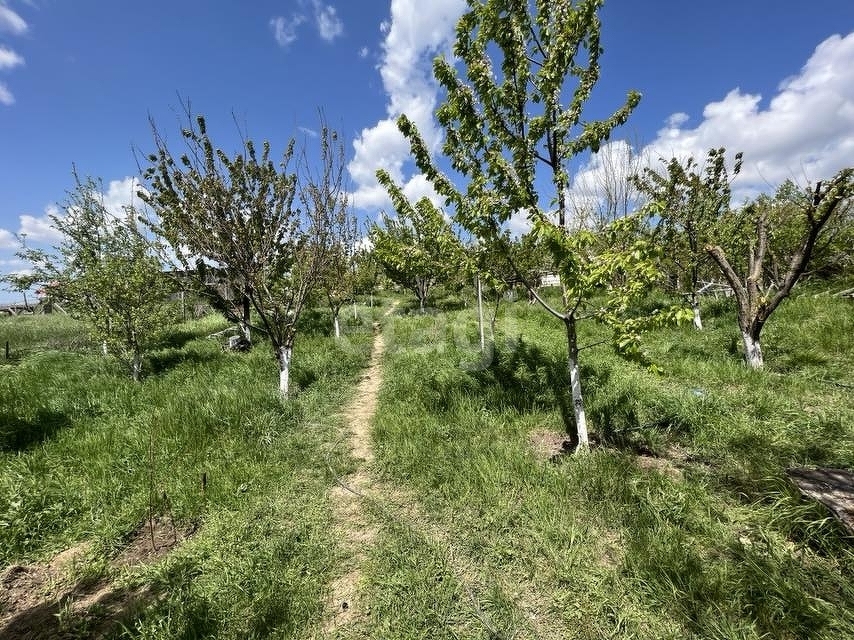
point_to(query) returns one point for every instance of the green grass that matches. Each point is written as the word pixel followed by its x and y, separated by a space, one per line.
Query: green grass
pixel 83 449
pixel 478 537
pixel 712 545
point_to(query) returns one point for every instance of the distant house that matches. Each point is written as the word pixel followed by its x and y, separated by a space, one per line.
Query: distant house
pixel 549 280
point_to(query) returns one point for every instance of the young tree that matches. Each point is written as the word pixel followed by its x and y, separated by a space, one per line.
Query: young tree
pixel 21 282
pixel 327 191
pixel 756 301
pixel 515 112
pixel 417 248
pixel 694 201
pixel 107 273
pixel 238 214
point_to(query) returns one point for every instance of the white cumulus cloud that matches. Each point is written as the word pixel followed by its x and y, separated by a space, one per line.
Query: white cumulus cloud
pixel 40 228
pixel 11 22
pixel 8 240
pixel 414 35
pixel 806 131
pixel 6 96
pixel 9 59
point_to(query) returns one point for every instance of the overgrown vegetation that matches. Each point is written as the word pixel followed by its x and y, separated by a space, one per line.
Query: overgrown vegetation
pixel 85 455
pixel 679 524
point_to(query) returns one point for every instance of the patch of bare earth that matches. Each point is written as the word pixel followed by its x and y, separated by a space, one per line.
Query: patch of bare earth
pixel 45 600
pixel 549 445
pixel 353 528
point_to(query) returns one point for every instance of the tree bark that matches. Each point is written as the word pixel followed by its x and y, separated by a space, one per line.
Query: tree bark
pixel 337 324
pixel 246 319
pixel 285 355
pixel 695 307
pixel 575 384
pixel 752 349
pixel 136 366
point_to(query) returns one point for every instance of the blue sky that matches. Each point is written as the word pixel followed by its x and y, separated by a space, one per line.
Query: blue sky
pixel 79 80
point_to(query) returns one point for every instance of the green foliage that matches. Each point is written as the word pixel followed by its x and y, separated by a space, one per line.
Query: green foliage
pixel 744 263
pixel 693 201
pixel 75 464
pixel 238 214
pixel 106 272
pixel 418 249
pixel 681 524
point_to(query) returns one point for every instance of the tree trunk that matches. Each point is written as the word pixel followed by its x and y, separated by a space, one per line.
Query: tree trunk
pixel 480 314
pixel 575 384
pixel 337 325
pixel 285 355
pixel 752 349
pixel 421 303
pixel 246 319
pixel 136 366
pixel 355 310
pixel 695 307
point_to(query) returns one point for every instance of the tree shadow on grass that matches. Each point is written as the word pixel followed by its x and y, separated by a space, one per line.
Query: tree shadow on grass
pixel 162 361
pixel 18 434
pixel 526 378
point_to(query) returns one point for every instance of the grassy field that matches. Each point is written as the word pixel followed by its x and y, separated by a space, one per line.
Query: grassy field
pixel 679 523
pixel 85 454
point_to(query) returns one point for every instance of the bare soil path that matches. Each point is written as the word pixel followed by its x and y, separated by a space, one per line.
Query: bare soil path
pixel 356 530
pixel 353 528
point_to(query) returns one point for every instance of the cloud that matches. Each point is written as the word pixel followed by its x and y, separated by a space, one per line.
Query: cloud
pixel 9 59
pixel 11 22
pixel 8 240
pixel 309 132
pixel 285 30
pixel 363 52
pixel 120 194
pixel 39 229
pixel 329 25
pixel 6 96
pixel 414 35
pixel 806 131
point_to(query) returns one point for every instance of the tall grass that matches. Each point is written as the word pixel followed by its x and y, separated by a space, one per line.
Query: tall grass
pixel 85 454
pixel 707 541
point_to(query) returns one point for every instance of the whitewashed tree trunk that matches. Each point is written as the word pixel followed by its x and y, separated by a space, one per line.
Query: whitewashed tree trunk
pixel 285 355
pixel 698 321
pixel 337 324
pixel 355 311
pixel 480 314
pixel 136 367
pixel 752 350
pixel 575 385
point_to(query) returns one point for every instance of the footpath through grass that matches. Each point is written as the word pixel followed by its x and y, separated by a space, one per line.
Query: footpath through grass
pixel 204 440
pixel 701 536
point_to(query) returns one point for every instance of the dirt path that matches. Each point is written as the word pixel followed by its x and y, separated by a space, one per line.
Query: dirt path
pixel 353 528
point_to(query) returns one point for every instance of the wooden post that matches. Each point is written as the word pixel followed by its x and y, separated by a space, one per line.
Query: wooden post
pixel 7 349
